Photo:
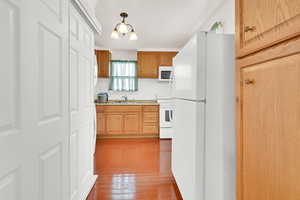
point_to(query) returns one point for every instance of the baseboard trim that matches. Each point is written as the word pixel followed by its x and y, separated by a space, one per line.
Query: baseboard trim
pixel 127 136
pixel 177 191
pixel 89 185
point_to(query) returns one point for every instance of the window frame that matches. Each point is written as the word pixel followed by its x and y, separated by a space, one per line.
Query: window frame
pixel 130 77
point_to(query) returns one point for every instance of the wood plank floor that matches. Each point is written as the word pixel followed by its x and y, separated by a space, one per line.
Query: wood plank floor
pixel 132 169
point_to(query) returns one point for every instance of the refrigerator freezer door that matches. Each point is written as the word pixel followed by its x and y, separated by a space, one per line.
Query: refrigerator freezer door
pixel 189 69
pixel 188 148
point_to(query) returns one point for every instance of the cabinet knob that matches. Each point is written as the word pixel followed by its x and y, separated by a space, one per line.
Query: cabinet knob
pixel 250 28
pixel 249 81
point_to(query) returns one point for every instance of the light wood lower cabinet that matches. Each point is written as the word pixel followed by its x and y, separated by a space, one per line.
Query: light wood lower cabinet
pixel 127 121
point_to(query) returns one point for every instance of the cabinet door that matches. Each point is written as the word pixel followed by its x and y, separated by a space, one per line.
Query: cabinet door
pixel 103 60
pixel 132 123
pixel 262 23
pixel 101 123
pixel 114 123
pixel 269 140
pixel 166 58
pixel 148 63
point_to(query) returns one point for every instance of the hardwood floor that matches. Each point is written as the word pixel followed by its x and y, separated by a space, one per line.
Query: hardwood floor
pixel 132 169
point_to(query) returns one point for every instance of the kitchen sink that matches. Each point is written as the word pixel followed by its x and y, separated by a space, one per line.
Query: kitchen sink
pixel 120 102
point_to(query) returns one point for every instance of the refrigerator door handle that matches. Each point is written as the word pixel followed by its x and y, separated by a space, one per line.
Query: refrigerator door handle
pixel 170 115
pixel 199 101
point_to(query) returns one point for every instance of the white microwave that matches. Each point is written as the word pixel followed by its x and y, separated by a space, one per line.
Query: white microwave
pixel 165 73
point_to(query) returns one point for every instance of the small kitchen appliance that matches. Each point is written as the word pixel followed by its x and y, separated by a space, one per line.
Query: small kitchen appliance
pixel 102 97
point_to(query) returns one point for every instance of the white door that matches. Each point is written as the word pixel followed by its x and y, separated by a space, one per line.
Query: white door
pixel 34 111
pixel 81 106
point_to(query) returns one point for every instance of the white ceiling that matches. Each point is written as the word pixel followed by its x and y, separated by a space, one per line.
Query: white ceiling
pixel 160 24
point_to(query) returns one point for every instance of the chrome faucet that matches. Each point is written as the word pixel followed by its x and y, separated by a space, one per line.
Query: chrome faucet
pixel 125 98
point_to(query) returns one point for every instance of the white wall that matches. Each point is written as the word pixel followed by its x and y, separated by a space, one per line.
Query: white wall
pixel 225 13
pixel 148 89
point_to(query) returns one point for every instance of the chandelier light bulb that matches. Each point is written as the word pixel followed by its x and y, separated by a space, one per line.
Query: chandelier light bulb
pixel 133 35
pixel 123 28
pixel 115 34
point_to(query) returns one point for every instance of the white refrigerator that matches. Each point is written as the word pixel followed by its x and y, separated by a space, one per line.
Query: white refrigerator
pixel 203 145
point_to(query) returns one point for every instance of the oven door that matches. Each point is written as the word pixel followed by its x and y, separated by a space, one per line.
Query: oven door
pixel 166 117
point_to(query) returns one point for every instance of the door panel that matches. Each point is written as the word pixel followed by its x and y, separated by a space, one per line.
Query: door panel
pixel 270 130
pixel 148 63
pixel 34 102
pixel 101 123
pixel 114 123
pixel 132 123
pixel 273 21
pixel 81 108
pixel 10 80
pixel 10 189
pixel 50 173
pixel 50 71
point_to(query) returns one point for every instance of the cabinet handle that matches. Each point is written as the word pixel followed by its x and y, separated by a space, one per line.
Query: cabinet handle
pixel 249 81
pixel 250 28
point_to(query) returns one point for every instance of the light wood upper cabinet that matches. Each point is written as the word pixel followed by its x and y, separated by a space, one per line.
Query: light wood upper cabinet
pixel 269 137
pixel 103 60
pixel 263 23
pixel 149 62
pixel 166 58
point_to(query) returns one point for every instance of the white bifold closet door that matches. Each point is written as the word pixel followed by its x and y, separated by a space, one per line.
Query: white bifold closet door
pixel 82 58
pixel 34 100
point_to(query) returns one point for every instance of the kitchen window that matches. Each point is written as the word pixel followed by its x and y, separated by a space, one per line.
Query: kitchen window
pixel 123 76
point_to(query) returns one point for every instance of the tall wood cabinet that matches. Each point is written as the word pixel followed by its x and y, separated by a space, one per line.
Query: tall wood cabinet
pixel 268 99
pixel 262 23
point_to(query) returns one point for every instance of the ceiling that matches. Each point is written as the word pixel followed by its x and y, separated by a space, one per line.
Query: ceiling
pixel 160 24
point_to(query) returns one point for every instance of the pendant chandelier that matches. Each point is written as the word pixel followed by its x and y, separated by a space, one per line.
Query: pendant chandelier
pixel 122 29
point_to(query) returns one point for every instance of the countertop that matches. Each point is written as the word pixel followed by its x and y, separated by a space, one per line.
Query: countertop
pixel 129 102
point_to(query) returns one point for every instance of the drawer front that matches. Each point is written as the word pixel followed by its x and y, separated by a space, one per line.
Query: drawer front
pixel 121 108
pixel 150 129
pixel 99 108
pixel 150 117
pixel 151 108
